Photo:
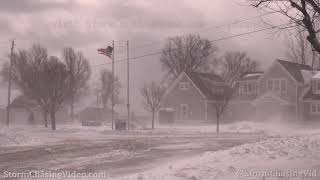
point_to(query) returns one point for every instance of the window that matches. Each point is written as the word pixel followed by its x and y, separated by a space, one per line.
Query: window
pixel 277 85
pixel 184 85
pixel 184 110
pixel 283 85
pixel 247 88
pixel 250 87
pixel 315 86
pixel 315 108
pixel 270 85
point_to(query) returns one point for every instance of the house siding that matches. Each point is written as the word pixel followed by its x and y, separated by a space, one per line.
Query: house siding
pixel 306 112
pixel 192 97
pixel 276 71
pixel 242 111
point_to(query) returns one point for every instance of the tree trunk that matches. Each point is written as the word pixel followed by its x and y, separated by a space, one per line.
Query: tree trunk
pixel 53 120
pixel 218 122
pixel 152 120
pixel 72 110
pixel 45 117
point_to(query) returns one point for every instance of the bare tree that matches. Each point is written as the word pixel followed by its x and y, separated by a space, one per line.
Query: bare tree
pixel 27 74
pixel 234 64
pixel 300 50
pixel 79 71
pixel 186 53
pixel 57 78
pixel 152 94
pixel 302 13
pixel 104 91
pixel 221 104
pixel 42 79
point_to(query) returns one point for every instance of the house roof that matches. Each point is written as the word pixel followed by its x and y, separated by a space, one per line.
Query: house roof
pixel 4 96
pixel 22 102
pixel 316 75
pixel 251 76
pixel 308 75
pixel 205 82
pixel 294 69
pixel 309 95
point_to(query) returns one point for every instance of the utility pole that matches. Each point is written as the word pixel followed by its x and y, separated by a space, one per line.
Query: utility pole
pixel 112 89
pixel 128 85
pixel 9 84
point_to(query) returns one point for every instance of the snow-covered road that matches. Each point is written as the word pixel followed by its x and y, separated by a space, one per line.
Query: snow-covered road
pixel 171 153
pixel 116 156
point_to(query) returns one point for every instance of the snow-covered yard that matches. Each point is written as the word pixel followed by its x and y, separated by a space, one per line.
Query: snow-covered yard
pixel 275 156
pixel 38 135
pixel 292 152
pixel 179 152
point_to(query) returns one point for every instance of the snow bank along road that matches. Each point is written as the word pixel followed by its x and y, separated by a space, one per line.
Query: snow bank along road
pixel 117 155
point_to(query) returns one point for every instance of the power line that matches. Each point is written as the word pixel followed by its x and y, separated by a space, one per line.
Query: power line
pixel 215 40
pixel 122 43
pixel 212 27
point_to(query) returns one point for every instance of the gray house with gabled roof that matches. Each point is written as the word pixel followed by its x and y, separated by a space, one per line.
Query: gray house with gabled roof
pixel 191 96
pixel 286 91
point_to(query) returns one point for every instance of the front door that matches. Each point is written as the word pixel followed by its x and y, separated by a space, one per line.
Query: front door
pixel 184 111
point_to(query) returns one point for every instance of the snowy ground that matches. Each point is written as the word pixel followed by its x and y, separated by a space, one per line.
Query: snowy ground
pixel 291 152
pixel 180 152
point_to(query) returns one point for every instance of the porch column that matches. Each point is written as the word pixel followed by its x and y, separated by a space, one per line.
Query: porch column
pixel 206 110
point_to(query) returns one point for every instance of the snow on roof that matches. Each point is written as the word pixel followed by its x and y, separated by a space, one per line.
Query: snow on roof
pixel 294 69
pixel 307 75
pixel 253 74
pixel 317 75
pixel 166 109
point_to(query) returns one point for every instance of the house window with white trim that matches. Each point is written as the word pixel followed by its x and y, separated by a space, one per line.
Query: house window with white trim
pixel 316 86
pixel 184 111
pixel 270 85
pixel 277 85
pixel 247 88
pixel 315 108
pixel 283 85
pixel 184 85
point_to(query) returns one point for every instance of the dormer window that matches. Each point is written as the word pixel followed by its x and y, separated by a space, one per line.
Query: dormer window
pixel 184 85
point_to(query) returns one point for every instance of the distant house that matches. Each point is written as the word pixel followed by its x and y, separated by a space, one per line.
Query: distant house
pixel 191 96
pixel 21 108
pixel 96 115
pixel 4 102
pixel 287 90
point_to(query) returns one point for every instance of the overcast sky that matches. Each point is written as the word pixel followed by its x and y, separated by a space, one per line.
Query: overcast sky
pixel 87 25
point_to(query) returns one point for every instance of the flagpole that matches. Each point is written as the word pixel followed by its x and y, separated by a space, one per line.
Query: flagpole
pixel 128 93
pixel 112 89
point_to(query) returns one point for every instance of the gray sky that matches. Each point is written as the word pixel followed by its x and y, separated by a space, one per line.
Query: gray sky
pixel 87 25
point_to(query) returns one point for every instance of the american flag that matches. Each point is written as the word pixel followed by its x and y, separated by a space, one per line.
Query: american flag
pixel 106 51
